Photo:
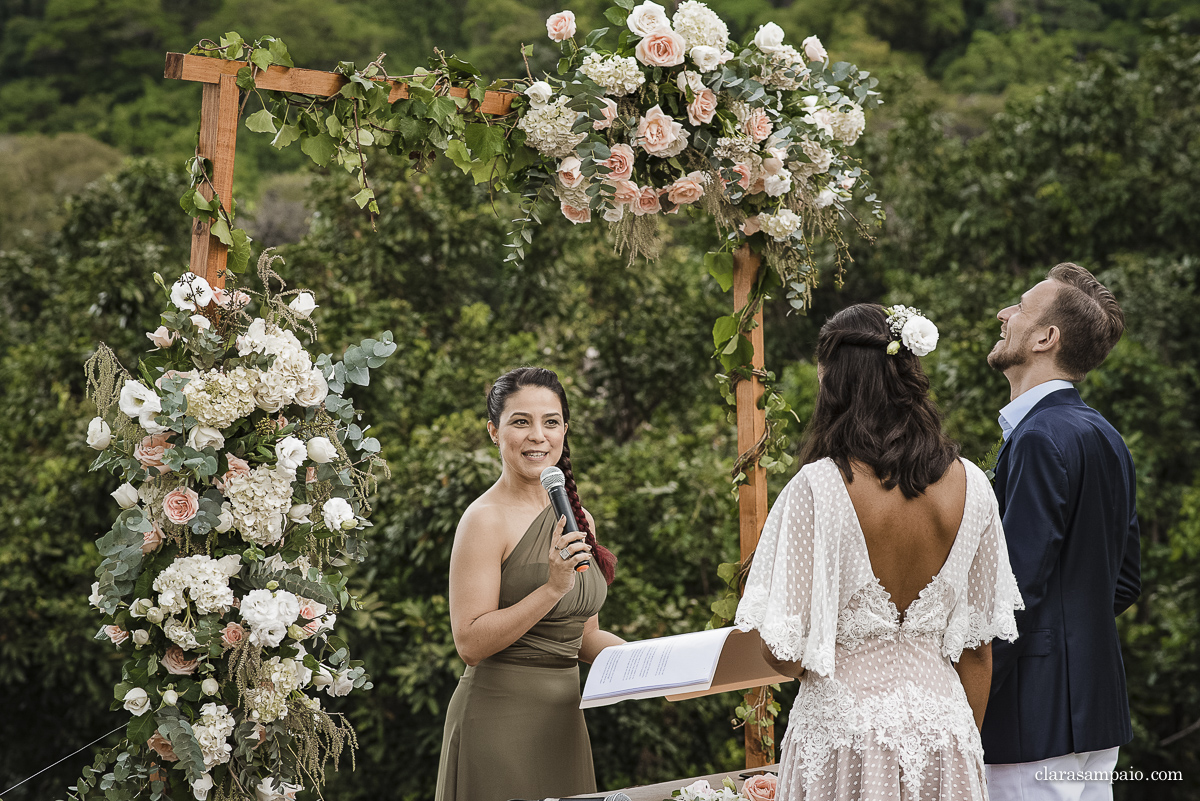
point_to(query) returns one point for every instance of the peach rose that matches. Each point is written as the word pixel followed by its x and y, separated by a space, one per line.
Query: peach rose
pixel 162 337
pixel 230 300
pixel 610 115
pixel 237 467
pixel 310 475
pixel 280 423
pixel 620 162
pixel 152 539
pixel 751 226
pixel 758 126
pixel 576 215
pixel 657 131
pixel 150 451
pixel 177 663
pixel 568 172
pixel 687 189
pixel 181 504
pixel 647 201
pixel 561 26
pixel 312 611
pixel 760 788
pixel 744 175
pixel 626 192
pixel 662 48
pixel 162 746
pixel 232 634
pixel 117 634
pixel 703 106
pixel 173 374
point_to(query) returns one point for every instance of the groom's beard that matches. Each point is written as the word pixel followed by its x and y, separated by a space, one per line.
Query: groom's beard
pixel 1007 354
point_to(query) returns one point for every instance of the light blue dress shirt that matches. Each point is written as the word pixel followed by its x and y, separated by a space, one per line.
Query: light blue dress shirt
pixel 1012 414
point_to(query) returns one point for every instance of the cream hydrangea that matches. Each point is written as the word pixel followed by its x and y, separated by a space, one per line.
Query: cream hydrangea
pixel 819 160
pixel 218 399
pixel 548 129
pixel 848 125
pixel 177 632
pixel 617 76
pixel 780 225
pixel 202 579
pixel 700 26
pixel 258 502
pixel 279 678
pixel 785 70
pixel 212 732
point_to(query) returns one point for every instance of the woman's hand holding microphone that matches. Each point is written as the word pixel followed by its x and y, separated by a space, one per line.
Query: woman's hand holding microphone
pixel 567 552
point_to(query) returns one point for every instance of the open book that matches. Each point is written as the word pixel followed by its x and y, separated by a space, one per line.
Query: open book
pixel 681 666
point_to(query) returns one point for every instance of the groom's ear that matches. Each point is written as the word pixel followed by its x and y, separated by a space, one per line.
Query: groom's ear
pixel 1049 339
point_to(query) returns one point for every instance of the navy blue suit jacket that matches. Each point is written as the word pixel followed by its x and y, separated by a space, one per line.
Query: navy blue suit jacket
pixel 1065 484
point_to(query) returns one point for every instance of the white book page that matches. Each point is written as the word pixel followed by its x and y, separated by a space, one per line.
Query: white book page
pixel 646 668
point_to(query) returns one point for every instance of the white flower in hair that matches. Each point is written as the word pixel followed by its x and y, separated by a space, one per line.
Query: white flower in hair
pixel 919 335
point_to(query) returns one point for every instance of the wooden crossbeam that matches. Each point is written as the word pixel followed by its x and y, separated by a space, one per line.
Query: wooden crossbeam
pixel 219 128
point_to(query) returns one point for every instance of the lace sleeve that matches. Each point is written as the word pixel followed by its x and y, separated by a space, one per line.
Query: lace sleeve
pixel 991 597
pixel 791 594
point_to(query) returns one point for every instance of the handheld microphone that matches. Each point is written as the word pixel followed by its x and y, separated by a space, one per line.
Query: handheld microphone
pixel 556 487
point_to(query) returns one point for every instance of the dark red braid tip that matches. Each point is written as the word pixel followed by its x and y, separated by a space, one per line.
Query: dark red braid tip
pixel 605 558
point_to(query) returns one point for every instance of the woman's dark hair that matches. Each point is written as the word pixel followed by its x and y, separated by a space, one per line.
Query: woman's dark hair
pixel 498 396
pixel 874 408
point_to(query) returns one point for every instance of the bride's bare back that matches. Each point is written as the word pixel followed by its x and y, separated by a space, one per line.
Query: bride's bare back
pixel 908 540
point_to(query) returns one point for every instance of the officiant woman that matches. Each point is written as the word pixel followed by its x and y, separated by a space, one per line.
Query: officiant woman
pixel 522 615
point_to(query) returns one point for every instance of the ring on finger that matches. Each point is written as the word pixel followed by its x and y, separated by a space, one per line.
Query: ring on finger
pixel 565 553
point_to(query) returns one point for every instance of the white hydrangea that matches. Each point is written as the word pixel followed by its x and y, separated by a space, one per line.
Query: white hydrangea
pixel 212 732
pixel 177 632
pixel 616 75
pixel 279 678
pixel 269 615
pixel 269 340
pixel 204 579
pixel 848 125
pixel 780 225
pixel 784 60
pixel 700 25
pixel 218 399
pixel 819 161
pixel 259 503
pixel 548 129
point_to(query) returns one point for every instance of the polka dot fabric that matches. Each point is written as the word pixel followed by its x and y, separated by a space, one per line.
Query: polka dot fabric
pixel 881 713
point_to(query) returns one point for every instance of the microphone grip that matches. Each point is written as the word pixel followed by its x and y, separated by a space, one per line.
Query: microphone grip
pixel 562 508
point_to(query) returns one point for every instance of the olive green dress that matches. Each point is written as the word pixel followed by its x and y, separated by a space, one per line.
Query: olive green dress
pixel 514 728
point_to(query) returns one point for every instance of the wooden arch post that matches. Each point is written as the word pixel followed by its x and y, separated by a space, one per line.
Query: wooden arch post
pixel 752 496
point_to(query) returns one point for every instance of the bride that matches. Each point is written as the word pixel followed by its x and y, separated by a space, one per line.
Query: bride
pixel 880 580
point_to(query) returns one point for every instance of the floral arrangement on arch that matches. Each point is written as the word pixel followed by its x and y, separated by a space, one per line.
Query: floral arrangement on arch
pixel 246 477
pixel 760 787
pixel 680 116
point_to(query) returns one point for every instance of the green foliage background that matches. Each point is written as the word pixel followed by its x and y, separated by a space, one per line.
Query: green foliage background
pixel 1017 134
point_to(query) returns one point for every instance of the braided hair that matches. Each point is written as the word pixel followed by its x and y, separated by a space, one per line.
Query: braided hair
pixel 497 398
pixel 875 408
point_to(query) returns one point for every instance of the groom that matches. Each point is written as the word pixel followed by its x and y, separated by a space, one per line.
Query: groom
pixel 1065 484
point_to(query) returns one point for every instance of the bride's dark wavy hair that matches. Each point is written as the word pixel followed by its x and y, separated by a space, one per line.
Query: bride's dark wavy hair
pixel 498 397
pixel 874 408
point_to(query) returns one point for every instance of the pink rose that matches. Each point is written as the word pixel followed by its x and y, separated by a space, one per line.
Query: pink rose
pixel 117 634
pixel 181 505
pixel 232 634
pixel 162 337
pixel 703 106
pixel 230 300
pixel 150 450
pixel 751 226
pixel 312 612
pixel 177 663
pixel 657 131
pixel 620 162
pixel 576 215
pixel 760 788
pixel 758 126
pixel 561 26
pixel 647 201
pixel 237 467
pixel 610 115
pixel 568 172
pixel 662 48
pixel 744 175
pixel 152 539
pixel 626 192
pixel 162 746
pixel 310 475
pixel 686 190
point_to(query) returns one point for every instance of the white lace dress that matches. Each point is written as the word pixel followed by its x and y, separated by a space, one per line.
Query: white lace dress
pixel 881 713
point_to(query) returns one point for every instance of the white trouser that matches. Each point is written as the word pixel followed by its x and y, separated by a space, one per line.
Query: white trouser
pixel 1074 777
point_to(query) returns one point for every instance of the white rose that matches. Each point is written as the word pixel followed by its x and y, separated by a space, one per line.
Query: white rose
pixel 125 496
pixel 146 421
pixel 615 214
pixel 322 678
pixel 342 684
pixel 776 185
pixel 338 514
pixel 689 80
pixel 170 698
pixel 210 686
pixel 140 607
pixel 321 450
pixel 137 701
pixel 201 786
pixel 539 94
pixel 303 304
pixel 299 512
pixel 919 335
pixel 225 522
pixel 201 322
pixel 647 18
pixel 825 198
pixel 99 435
pixel 202 437
pixel 155 615
pixel 230 565
pixel 290 453
pixel 813 49
pixel 141 637
pixel 95 598
pixel 191 291
pixel 706 58
pixel 769 37
pixel 314 390
pixel 162 337
pixel 137 398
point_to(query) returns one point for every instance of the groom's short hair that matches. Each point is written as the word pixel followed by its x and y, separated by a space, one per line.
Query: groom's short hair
pixel 1089 320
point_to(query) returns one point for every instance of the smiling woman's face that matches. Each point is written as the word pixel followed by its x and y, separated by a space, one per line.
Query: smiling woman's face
pixel 531 431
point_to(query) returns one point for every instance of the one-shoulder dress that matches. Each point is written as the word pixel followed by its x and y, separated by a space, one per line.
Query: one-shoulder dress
pixel 880 713
pixel 514 728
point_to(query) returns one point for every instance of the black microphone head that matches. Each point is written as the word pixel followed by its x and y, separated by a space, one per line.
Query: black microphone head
pixel 553 478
